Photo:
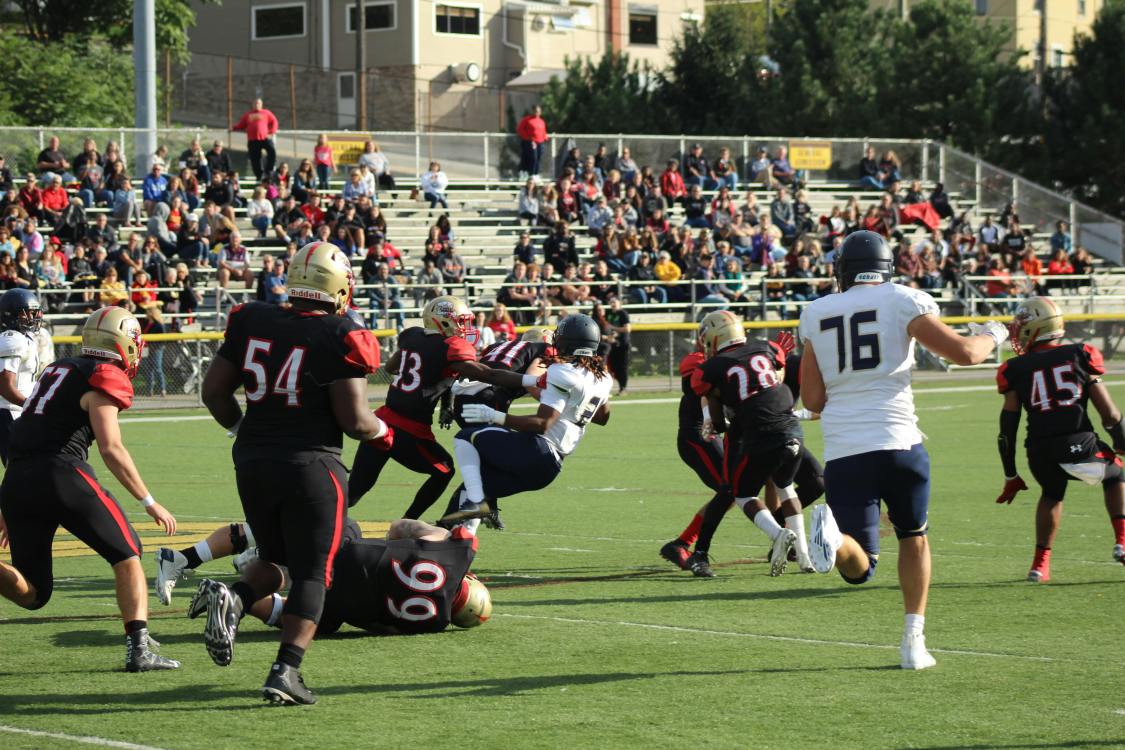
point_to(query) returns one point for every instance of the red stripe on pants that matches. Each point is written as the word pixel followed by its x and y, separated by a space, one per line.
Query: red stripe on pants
pixel 707 461
pixel 114 510
pixel 439 465
pixel 337 531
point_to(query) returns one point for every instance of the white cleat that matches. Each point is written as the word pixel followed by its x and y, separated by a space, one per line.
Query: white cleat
pixel 914 653
pixel 1119 553
pixel 779 554
pixel 804 562
pixel 170 567
pixel 825 539
pixel 242 559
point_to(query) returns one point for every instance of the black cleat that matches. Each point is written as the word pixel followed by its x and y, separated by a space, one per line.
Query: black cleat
pixel 492 520
pixel 467 512
pixel 677 553
pixel 700 565
pixel 286 687
pixel 224 613
pixel 198 603
pixel 141 656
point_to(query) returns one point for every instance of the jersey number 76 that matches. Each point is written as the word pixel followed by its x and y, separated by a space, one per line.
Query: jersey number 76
pixel 850 333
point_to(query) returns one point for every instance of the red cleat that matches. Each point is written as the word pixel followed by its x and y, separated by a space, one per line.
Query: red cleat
pixel 1041 566
pixel 677 553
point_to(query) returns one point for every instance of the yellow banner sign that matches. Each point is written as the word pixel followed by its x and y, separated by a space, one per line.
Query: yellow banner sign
pixel 346 149
pixel 810 154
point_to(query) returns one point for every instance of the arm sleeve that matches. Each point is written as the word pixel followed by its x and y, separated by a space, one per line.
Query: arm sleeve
pixel 10 364
pixel 558 383
pixel 361 350
pixel 114 383
pixel 913 304
pixel 690 363
pixel 1095 365
pixel 460 350
pixel 1002 378
pixel 1006 441
pixel 699 383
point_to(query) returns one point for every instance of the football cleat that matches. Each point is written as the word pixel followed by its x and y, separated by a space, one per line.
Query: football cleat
pixel 914 653
pixel 492 520
pixel 677 553
pixel 224 613
pixel 825 539
pixel 170 567
pixel 1037 575
pixel 1119 553
pixel 286 687
pixel 779 553
pixel 244 558
pixel 804 563
pixel 1040 566
pixel 700 565
pixel 141 656
pixel 466 512
pixel 198 603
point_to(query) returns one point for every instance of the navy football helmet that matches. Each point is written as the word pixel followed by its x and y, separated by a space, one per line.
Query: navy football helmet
pixel 20 311
pixel 863 257
pixel 577 335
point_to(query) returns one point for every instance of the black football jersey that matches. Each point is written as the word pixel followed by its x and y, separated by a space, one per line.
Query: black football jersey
pixel 287 359
pixel 424 375
pixel 793 376
pixel 691 412
pixel 53 422
pixel 410 585
pixel 516 356
pixel 1053 387
pixel 749 381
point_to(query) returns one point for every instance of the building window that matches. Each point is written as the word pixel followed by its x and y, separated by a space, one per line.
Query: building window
pixel 277 21
pixel 379 17
pixel 642 28
pixel 347 85
pixel 456 19
pixel 1081 7
pixel 1057 58
pixel 981 7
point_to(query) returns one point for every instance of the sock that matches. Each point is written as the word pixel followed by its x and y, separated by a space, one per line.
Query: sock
pixel 192 556
pixel 914 624
pixel 765 521
pixel 244 593
pixel 134 626
pixel 691 533
pixel 468 461
pixel 275 614
pixel 1042 556
pixel 291 655
pixel 797 524
pixel 471 526
pixel 1118 529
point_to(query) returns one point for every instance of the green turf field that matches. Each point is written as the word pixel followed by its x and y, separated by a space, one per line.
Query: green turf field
pixel 596 642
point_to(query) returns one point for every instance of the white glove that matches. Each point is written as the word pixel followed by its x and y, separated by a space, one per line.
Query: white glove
pixel 997 331
pixel 233 431
pixel 482 414
pixel 707 432
pixel 803 414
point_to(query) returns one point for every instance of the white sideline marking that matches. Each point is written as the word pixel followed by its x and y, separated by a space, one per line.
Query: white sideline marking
pixel 180 418
pixel 765 637
pixel 567 549
pixel 100 741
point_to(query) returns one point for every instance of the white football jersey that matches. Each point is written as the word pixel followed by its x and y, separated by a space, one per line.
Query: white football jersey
pixel 865 356
pixel 576 394
pixel 19 353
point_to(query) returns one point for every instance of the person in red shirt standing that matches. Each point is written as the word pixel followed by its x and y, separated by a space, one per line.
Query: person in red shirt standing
pixel 532 132
pixel 260 125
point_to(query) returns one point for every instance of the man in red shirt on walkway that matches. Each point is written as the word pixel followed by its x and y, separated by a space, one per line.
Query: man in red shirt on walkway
pixel 532 132
pixel 260 125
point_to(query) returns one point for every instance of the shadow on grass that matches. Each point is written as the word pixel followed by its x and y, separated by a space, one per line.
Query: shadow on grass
pixel 88 639
pixel 692 595
pixel 1076 744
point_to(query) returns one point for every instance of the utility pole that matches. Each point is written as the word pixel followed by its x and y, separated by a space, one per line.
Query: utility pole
pixel 360 65
pixel 1041 68
pixel 144 84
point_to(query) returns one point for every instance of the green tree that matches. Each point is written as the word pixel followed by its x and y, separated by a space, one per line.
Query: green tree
pixel 612 95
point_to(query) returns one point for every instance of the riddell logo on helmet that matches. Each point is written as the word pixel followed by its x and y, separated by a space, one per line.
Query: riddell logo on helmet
pixel 868 276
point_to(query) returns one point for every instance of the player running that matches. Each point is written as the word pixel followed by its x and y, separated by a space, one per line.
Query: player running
pixel 49 483
pixel 1053 382
pixel 20 320
pixel 429 358
pixel 517 454
pixel 855 372
pixel 304 371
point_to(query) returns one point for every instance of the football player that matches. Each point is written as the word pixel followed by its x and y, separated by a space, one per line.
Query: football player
pixel 514 454
pixel 1053 382
pixel 20 320
pixel 855 373
pixel 429 359
pixel 49 483
pixel 744 377
pixel 304 371
pixel 232 539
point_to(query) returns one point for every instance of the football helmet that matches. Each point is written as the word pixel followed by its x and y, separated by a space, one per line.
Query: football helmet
pixel 320 272
pixel 718 330
pixel 1037 319
pixel 20 311
pixel 577 335
pixel 538 336
pixel 473 605
pixel 449 316
pixel 113 333
pixel 863 257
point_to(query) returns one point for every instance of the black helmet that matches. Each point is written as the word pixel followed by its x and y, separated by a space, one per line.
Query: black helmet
pixel 20 311
pixel 577 335
pixel 863 257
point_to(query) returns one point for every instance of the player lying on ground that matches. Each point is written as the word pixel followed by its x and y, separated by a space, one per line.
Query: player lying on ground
pixel 1053 382
pixel 49 483
pixel 429 358
pixel 517 454
pixel 20 320
pixel 705 457
pixel 304 371
pixel 855 372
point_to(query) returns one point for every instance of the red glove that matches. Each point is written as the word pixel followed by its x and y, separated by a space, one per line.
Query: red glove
pixel 787 342
pixel 1011 487
pixel 384 441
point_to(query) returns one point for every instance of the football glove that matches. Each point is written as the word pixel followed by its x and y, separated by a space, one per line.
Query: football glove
pixel 384 441
pixel 482 414
pixel 786 341
pixel 445 418
pixel 997 331
pixel 1012 486
pixel 707 432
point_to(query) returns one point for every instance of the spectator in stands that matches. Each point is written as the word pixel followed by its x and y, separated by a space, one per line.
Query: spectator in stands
pixel 516 292
pixel 782 171
pixel 50 271
pixel 697 170
pixel 452 267
pixel 304 181
pixel 560 248
pixel 281 181
pixel 989 234
pixel 501 323
pixel 626 166
pixel 158 227
pixel 668 272
pixel 641 292
pixel 733 286
pixel 1033 269
pixel 572 160
pixel 604 285
pixel 112 155
pixel 889 167
pixel 7 182
pixel 259 211
pixel 803 270
pixel 598 217
pixel 672 183
pixel 88 158
pixel 234 262
pixel 782 214
pixel 529 203
pixel 99 263
pixel 1082 262
pixel 219 191
pixel 153 187
pixel 613 187
pixel 1061 240
pixel 52 163
pixel 939 199
pixel 126 258
pixel 888 215
pixel 355 186
pixel 126 211
pixel 999 284
pixel 590 172
pixel 343 239
pixel 152 259
pixel 548 206
pixel 725 170
pixel 761 168
pixel 192 158
pixel 427 283
pixel 112 292
pixel 260 125
pixel 532 132
pixel 288 220
pixel 385 297
pixel 92 189
pixel 1013 244
pixel 708 292
pixel 776 290
pixel 908 267
pixel 695 208
pixel 218 160
pixel 325 161
pixel 914 193
pixel 869 174
pixel 433 185
pixel 143 291
pixel 54 201
pixel 191 245
pixel 276 284
pixel 654 201
pixel 185 295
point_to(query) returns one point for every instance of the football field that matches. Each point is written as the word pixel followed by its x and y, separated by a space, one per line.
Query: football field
pixel 597 642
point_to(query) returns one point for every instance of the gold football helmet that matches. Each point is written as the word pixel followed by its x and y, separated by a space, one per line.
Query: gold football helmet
pixel 1037 319
pixel 718 330
pixel 449 316
pixel 320 272
pixel 538 336
pixel 473 605
pixel 113 333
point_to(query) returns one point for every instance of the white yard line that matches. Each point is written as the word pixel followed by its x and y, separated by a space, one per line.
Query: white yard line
pixel 81 739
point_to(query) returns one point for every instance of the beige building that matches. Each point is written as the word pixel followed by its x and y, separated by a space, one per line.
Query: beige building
pixel 456 65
